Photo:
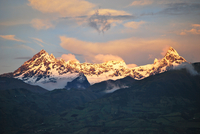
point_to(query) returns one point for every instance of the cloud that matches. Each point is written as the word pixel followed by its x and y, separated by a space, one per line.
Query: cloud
pixel 102 19
pixel 141 2
pixel 196 25
pixel 41 24
pixel 100 58
pixel 79 10
pixel 39 41
pixel 11 37
pixel 133 24
pixel 195 30
pixel 154 2
pixel 99 22
pixel 180 8
pixel 112 12
pixel 64 8
pixel 68 57
pixel 131 65
pixel 129 49
pixel 164 50
pixel 186 66
pixel 26 47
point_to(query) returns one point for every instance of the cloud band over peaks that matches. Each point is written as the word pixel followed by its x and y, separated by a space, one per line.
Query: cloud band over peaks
pixel 127 49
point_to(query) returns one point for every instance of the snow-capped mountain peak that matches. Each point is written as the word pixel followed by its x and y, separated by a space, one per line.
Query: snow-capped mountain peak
pixel 170 51
pixel 50 73
pixel 172 57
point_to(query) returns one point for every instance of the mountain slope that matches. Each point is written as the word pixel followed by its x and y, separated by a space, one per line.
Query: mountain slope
pixel 21 107
pixel 12 83
pixel 164 103
pixel 110 86
pixel 80 82
pixel 50 73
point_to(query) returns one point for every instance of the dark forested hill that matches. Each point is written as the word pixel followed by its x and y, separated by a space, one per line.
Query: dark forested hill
pixel 166 103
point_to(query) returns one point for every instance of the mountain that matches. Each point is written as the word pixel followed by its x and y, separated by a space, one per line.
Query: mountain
pixel 80 82
pixel 12 83
pixel 50 73
pixel 166 103
pixel 110 86
pixel 21 107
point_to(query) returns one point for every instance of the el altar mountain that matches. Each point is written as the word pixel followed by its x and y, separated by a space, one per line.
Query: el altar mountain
pixel 50 73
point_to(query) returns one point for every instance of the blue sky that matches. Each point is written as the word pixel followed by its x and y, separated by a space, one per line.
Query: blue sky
pixel 137 31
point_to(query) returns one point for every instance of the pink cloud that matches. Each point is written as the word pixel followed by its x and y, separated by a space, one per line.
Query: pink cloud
pixel 100 58
pixel 131 65
pixel 11 37
pixel 132 50
pixel 164 50
pixel 195 30
pixel 64 8
pixel 69 57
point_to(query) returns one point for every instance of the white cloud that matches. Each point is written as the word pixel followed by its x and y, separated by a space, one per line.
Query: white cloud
pixel 186 66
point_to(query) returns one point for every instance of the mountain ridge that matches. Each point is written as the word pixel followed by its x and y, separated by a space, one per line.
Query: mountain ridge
pixel 51 73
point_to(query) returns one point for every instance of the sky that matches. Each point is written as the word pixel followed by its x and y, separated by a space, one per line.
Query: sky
pixel 95 31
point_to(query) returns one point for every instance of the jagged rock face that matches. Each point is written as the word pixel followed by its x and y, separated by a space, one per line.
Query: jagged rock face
pixel 43 69
pixel 170 59
pixel 80 82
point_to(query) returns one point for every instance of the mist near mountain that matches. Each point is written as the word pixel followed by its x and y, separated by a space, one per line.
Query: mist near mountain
pixel 189 67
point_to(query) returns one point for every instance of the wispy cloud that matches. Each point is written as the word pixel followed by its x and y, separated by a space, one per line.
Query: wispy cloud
pixel 39 41
pixel 141 2
pixel 26 47
pixel 195 30
pixel 134 24
pixel 180 8
pixel 11 37
pixel 41 24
